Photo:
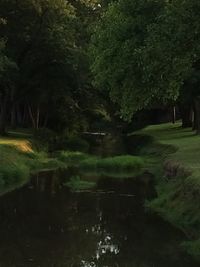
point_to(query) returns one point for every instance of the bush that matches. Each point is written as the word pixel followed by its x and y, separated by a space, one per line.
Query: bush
pixel 76 144
pixel 45 139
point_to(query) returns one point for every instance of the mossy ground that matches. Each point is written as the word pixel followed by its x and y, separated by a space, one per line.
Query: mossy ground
pixel 175 152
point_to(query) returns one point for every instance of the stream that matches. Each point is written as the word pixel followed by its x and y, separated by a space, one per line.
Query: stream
pixel 44 224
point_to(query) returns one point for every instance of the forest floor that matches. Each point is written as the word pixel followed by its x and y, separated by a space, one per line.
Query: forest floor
pixel 175 153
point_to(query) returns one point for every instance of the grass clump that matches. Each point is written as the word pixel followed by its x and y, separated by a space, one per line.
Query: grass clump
pixel 118 166
pixel 125 163
pixel 76 184
pixel 114 165
pixel 72 158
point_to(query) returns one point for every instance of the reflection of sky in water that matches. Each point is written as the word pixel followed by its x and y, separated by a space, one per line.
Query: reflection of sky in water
pixel 104 246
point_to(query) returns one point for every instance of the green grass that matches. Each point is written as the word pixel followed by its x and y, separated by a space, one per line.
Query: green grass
pixel 118 166
pixel 185 142
pixel 18 161
pixel 72 158
pixel 176 152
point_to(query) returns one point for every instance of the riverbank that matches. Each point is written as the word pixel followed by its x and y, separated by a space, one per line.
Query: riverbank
pixel 175 156
pixel 19 159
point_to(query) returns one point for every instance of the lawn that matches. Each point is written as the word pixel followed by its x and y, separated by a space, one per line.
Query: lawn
pixel 186 142
pixel 178 196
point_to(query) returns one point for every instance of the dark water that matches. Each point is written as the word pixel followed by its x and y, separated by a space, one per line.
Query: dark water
pixel 44 225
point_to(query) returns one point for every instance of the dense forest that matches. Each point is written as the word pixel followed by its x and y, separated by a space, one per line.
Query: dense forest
pixel 63 61
pixel 45 77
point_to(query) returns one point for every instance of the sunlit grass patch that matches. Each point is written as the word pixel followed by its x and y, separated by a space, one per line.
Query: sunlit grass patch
pixel 23 145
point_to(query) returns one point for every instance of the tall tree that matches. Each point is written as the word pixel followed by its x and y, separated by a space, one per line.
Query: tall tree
pixel 148 51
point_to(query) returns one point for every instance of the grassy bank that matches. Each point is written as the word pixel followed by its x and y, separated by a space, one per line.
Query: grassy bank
pixel 176 156
pixel 18 161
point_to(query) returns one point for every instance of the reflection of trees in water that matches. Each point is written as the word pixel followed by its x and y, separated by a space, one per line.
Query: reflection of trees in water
pixel 38 228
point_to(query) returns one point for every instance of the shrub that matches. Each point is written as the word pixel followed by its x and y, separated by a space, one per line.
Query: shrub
pixel 76 144
pixel 45 139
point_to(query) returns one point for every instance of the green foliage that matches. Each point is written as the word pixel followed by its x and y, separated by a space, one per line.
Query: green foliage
pixel 117 50
pixel 121 163
pixel 119 166
pixel 115 166
pixel 147 52
pixel 72 158
pixel 44 139
pixel 193 248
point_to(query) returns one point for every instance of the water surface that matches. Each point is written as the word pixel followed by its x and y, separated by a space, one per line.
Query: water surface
pixel 46 225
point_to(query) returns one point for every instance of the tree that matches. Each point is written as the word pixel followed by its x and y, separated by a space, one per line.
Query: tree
pixel 116 49
pixel 40 39
pixel 147 52
pixel 8 70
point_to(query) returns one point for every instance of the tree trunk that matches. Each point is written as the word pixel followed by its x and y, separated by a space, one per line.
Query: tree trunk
pixel 13 117
pixel 32 117
pixel 174 114
pixel 194 118
pixel 197 110
pixel 3 118
pixel 186 117
pixel 35 118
